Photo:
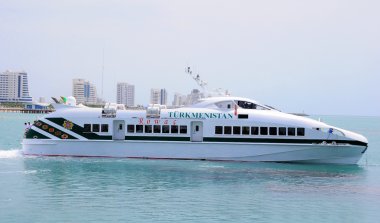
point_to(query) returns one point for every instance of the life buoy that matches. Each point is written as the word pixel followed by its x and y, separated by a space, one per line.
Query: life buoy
pixel 64 136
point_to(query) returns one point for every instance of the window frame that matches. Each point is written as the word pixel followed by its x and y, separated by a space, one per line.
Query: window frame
pixel 97 129
pixel 147 127
pixel 128 129
pixel 291 131
pixel 183 127
pixel 84 127
pixel 165 129
pixel 225 130
pixel 266 130
pixel 271 133
pixel 139 129
pixel 235 129
pixel 174 127
pixel 245 127
pixel 102 129
pixel 218 130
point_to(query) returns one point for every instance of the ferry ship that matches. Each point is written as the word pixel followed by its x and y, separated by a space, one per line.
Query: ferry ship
pixel 216 128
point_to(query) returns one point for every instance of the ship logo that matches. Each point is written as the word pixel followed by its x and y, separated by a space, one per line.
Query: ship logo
pixel 68 125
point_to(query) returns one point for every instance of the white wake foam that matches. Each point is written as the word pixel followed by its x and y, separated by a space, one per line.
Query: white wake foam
pixel 6 154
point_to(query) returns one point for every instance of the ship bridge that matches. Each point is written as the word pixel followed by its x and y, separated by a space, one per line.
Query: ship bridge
pixel 228 103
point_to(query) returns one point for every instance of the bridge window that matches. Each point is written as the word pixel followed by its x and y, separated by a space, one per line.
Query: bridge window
pixel 245 130
pixel 148 129
pixel 272 131
pixel 282 131
pixel 174 129
pixel 291 131
pixel 95 127
pixel 131 128
pixel 104 127
pixel 139 128
pixel 165 129
pixel 227 130
pixel 263 130
pixel 236 130
pixel 157 129
pixel 254 130
pixel 87 128
pixel 183 129
pixel 300 131
pixel 218 130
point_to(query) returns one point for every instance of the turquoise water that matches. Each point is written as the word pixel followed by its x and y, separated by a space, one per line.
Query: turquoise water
pixel 132 190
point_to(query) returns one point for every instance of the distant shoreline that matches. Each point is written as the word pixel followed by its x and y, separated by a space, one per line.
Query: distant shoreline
pixel 23 110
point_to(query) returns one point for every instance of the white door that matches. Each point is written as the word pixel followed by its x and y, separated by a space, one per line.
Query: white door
pixel 196 131
pixel 118 130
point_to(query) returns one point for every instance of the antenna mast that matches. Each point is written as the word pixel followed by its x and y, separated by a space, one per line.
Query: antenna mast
pixel 203 85
pixel 197 79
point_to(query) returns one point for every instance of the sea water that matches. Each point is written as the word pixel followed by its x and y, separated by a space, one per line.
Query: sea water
pixel 35 189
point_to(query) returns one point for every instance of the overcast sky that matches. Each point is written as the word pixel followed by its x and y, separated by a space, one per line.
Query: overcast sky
pixel 320 57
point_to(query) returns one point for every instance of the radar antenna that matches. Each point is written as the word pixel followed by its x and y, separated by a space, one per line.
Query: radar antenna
pixel 203 85
pixel 197 79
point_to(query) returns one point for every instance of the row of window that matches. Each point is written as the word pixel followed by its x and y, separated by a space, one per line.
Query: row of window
pixel 173 129
pixel 255 130
pixel 219 130
pixel 95 128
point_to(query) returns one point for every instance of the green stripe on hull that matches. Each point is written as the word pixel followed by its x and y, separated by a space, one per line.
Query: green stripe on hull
pixel 284 141
pixel 79 130
pixel 157 138
pixel 32 134
pixel 52 130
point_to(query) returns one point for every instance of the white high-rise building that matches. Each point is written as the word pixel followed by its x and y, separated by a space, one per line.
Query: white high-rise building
pixel 158 96
pixel 155 96
pixel 164 97
pixel 14 87
pixel 125 94
pixel 84 91
pixel 179 100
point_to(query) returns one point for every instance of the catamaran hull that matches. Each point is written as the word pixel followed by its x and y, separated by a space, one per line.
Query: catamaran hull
pixel 264 152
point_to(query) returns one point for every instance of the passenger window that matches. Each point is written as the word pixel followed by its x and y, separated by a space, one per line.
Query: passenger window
pixel 263 130
pixel 157 129
pixel 291 131
pixel 254 130
pixel 218 130
pixel 95 127
pixel 104 127
pixel 139 128
pixel 197 128
pixel 300 131
pixel 183 129
pixel 131 128
pixel 174 129
pixel 227 130
pixel 165 129
pixel 148 129
pixel 87 128
pixel 236 130
pixel 120 126
pixel 272 131
pixel 282 131
pixel 245 130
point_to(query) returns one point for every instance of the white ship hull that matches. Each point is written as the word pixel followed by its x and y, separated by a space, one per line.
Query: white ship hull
pixel 265 152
